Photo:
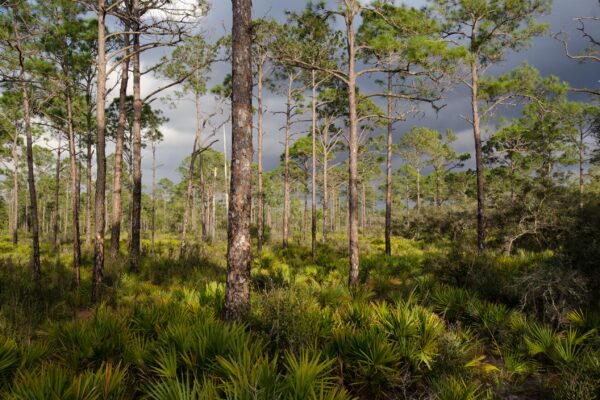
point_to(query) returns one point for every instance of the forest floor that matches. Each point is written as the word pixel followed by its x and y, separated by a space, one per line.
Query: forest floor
pixel 432 321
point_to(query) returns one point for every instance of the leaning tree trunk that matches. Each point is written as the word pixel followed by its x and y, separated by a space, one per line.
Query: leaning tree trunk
pixel 136 200
pixel 478 157
pixel 581 167
pixel 260 212
pixel 99 222
pixel 388 170
pixel 352 157
pixel 115 233
pixel 239 248
pixel 74 190
pixel 313 225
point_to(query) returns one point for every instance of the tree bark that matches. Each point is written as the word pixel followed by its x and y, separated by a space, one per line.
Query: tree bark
pixel 35 230
pixel 56 213
pixel 388 170
pixel 153 217
pixel 15 199
pixel 313 226
pixel 239 247
pixel 478 157
pixel 136 200
pixel 286 165
pixel 88 171
pixel 98 272
pixel 325 186
pixel 190 180
pixel 117 211
pixel 352 152
pixel 260 211
pixel 74 190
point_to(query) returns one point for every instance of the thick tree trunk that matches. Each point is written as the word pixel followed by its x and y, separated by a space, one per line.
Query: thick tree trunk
pixel 260 211
pixel 239 244
pixel 286 166
pixel 353 155
pixel 74 190
pixel 136 200
pixel 478 157
pixel 116 218
pixel 388 169
pixel 100 156
pixel 313 225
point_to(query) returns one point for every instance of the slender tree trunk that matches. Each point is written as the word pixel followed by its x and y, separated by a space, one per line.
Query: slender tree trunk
pixel 239 244
pixel 203 205
pixel 438 188
pixel 325 199
pixel 15 199
pixel 478 157
pixel 286 165
pixel 388 169
pixel 313 226
pixel 260 212
pixel 98 272
pixel 364 208
pixel 305 215
pixel 188 203
pixel 581 166
pixel 136 200
pixel 88 171
pixel 35 234
pixel 225 173
pixel 353 155
pixel 56 214
pixel 74 190
pixel 153 220
pixel 418 190
pixel 116 218
pixel 213 206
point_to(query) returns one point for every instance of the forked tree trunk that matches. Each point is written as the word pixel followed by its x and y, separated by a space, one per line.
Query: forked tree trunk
pixel 117 211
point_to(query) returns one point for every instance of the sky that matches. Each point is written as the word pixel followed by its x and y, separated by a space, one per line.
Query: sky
pixel 545 53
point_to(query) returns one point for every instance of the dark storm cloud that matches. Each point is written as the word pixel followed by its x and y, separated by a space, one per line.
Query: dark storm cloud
pixel 545 53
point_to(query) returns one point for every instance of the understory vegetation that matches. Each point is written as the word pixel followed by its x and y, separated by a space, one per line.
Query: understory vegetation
pixel 428 322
